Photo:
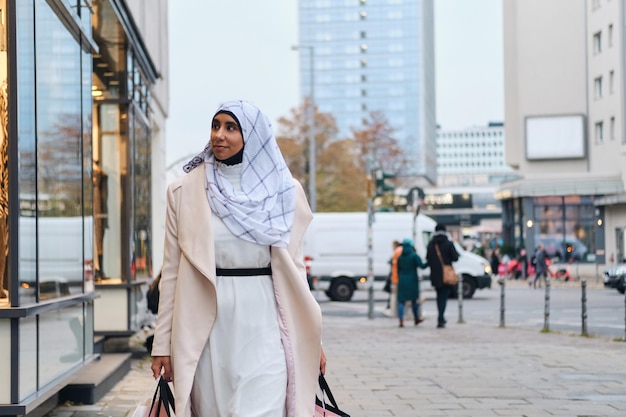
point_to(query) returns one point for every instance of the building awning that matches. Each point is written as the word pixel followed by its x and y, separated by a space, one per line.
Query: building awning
pixel 610 200
pixel 561 185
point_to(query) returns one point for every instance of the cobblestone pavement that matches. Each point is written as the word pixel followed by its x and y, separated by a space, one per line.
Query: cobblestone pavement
pixel 376 369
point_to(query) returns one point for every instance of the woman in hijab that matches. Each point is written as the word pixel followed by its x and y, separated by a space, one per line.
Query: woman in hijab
pixel 238 331
pixel 408 280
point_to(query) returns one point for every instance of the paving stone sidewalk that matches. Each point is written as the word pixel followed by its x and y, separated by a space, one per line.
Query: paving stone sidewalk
pixel 376 369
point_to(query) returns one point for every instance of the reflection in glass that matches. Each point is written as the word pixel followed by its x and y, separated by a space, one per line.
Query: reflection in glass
pixel 25 31
pixel 88 207
pixel 142 263
pixel 61 344
pixel 59 157
pixel 28 357
pixel 110 173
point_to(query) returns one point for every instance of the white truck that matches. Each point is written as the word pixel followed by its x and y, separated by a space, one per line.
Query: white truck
pixel 336 245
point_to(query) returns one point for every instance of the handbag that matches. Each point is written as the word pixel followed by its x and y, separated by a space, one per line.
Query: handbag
pixel 449 274
pixel 330 408
pixel 161 404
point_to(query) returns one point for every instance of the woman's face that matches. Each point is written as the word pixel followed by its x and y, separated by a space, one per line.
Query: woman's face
pixel 226 137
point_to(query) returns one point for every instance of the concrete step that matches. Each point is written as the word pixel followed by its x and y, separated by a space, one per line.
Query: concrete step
pixel 92 382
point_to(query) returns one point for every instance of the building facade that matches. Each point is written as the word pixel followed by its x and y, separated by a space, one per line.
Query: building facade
pixel 564 96
pixel 472 156
pixel 470 167
pixel 359 56
pixel 83 103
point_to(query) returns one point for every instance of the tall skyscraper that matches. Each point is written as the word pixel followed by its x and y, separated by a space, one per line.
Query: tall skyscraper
pixel 374 55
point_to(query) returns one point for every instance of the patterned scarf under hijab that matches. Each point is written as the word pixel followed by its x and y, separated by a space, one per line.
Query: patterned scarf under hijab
pixel 263 211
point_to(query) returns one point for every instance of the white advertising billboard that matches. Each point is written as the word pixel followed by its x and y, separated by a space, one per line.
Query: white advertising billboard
pixel 555 137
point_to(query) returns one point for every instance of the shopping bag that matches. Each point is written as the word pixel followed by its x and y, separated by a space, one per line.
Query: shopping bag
pixel 449 275
pixel 160 405
pixel 327 406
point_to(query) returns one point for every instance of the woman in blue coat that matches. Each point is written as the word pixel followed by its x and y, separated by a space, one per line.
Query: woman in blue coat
pixel 408 280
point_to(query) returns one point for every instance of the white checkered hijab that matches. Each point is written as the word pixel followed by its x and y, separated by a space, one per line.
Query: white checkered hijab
pixel 263 211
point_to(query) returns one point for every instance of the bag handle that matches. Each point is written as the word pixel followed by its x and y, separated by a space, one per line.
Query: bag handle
pixel 163 397
pixel 326 390
pixel 439 255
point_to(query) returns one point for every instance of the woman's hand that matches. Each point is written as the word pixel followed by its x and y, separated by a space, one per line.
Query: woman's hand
pixel 322 361
pixel 162 363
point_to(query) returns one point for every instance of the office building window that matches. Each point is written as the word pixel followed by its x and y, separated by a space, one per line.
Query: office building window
pixel 599 132
pixel 363 63
pixel 597 42
pixel 363 15
pixel 612 128
pixel 610 35
pixel 611 82
pixel 597 83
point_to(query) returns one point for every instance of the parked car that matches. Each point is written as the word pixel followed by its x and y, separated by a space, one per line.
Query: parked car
pixel 614 277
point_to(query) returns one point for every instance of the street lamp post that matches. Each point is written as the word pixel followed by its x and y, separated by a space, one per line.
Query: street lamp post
pixel 312 146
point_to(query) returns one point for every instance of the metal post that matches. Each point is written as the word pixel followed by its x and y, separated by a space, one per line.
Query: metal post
pixel 502 283
pixel 460 298
pixel 370 260
pixel 583 285
pixel 546 314
pixel 312 144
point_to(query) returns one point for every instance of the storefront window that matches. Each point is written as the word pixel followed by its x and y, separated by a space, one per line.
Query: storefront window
pixel 61 344
pixel 564 225
pixel 27 146
pixel 110 173
pixel 142 239
pixel 54 131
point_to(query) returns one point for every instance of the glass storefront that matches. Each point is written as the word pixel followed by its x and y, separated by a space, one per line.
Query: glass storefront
pixel 122 154
pixel 565 225
pixel 46 203
pixel 75 188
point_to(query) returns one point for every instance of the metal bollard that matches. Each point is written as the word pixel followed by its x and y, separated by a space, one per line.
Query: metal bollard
pixel 625 317
pixel 460 298
pixel 502 282
pixel 546 314
pixel 583 286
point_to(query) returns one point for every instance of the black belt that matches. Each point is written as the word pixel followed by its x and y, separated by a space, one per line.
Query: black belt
pixel 243 272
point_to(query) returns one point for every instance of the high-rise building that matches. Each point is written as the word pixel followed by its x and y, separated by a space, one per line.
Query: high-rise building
pixel 359 56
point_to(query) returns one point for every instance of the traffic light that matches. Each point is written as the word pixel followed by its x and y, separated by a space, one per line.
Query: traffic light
pixel 383 187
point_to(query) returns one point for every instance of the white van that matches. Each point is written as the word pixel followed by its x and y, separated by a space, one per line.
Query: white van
pixel 337 246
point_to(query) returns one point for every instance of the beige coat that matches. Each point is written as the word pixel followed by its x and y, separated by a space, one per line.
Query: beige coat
pixel 187 305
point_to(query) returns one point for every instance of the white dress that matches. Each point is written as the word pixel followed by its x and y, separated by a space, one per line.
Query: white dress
pixel 242 371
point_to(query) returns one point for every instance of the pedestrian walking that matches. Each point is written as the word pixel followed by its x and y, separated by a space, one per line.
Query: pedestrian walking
pixel 541 267
pixel 440 243
pixel 494 261
pixel 392 279
pixel 408 280
pixel 238 330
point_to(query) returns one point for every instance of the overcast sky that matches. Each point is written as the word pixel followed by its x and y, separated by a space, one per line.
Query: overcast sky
pixel 219 52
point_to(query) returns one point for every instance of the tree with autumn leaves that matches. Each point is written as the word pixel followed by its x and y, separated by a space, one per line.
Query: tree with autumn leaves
pixel 341 172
